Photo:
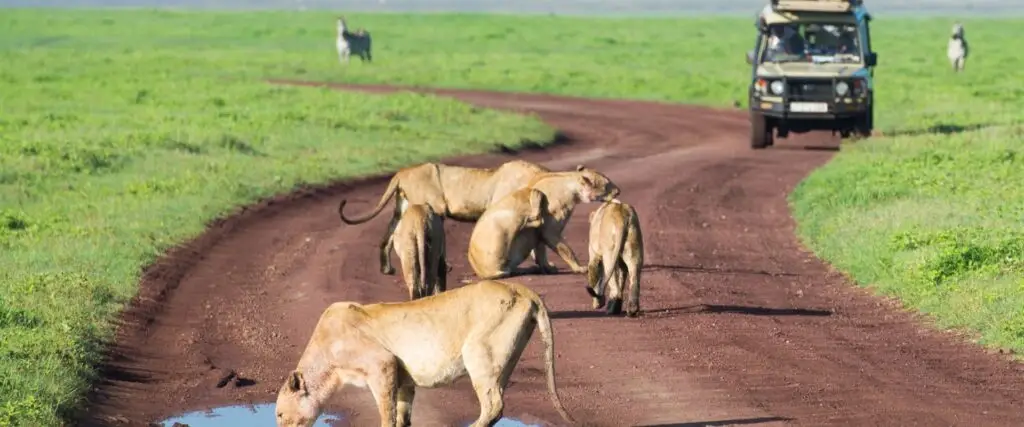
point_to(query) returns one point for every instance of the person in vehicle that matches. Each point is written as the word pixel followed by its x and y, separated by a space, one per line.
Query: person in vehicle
pixel 785 40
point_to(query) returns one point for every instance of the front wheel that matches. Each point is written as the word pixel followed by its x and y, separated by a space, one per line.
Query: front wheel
pixel 760 131
pixel 865 123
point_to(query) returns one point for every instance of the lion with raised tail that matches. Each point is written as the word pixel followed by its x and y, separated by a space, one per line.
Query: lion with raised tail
pixel 616 256
pixel 392 348
pixel 456 192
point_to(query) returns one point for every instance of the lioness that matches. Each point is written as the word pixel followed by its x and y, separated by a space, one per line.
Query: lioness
pixel 479 329
pixel 498 243
pixel 456 192
pixel 562 191
pixel 616 246
pixel 419 242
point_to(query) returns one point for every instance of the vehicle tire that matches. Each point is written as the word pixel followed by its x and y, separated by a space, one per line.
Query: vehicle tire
pixel 760 131
pixel 865 123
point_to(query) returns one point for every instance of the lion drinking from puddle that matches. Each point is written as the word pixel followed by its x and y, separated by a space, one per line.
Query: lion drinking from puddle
pixel 479 329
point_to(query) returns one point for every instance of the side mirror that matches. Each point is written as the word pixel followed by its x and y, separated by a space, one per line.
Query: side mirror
pixel 871 59
pixel 750 57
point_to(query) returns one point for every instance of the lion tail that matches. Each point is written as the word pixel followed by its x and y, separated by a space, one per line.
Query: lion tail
pixel 544 324
pixel 384 198
pixel 421 246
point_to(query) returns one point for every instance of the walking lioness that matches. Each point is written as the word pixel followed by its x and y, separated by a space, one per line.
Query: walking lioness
pixel 456 192
pixel 616 247
pixel 479 329
pixel 419 242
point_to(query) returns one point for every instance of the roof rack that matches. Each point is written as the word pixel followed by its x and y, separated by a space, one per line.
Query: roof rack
pixel 815 5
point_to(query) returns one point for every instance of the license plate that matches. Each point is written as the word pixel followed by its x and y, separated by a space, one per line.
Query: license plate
pixel 808 107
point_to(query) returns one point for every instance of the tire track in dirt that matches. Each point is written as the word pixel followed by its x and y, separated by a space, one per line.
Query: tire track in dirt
pixel 741 325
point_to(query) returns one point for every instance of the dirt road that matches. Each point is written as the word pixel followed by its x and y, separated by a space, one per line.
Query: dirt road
pixel 741 325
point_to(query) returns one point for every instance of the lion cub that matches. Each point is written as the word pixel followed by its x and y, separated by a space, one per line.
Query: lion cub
pixel 617 247
pixel 504 235
pixel 420 244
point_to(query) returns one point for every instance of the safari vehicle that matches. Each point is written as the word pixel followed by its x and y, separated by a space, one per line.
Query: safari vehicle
pixel 811 69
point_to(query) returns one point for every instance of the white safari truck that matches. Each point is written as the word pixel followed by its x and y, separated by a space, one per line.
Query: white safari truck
pixel 811 69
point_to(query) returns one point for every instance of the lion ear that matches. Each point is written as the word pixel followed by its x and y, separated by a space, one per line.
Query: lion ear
pixel 579 168
pixel 296 382
pixel 586 181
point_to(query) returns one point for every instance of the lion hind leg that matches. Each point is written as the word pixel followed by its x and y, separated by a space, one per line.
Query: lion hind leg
pixel 385 386
pixel 387 242
pixel 491 359
pixel 633 300
pixel 486 380
pixel 594 274
pixel 540 258
pixel 615 284
pixel 406 393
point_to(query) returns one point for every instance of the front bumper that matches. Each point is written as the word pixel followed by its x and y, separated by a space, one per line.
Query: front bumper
pixel 780 108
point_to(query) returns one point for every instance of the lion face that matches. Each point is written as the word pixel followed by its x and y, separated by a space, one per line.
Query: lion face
pixel 595 186
pixel 295 406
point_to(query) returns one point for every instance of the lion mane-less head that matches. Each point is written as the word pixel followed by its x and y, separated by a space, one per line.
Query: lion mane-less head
pixel 596 186
pixel 296 405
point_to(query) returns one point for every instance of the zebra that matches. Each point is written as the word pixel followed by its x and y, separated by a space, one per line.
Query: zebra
pixel 956 50
pixel 357 42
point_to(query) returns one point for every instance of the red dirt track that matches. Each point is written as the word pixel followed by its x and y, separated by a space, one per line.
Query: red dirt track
pixel 741 325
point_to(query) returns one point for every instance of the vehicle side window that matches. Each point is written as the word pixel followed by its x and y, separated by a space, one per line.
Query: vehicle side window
pixel 865 37
pixel 759 49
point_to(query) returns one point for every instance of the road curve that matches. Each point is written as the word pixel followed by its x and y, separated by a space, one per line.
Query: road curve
pixel 741 325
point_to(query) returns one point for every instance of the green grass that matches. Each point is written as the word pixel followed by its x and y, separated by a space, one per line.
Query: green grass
pixel 934 220
pixel 933 214
pixel 122 132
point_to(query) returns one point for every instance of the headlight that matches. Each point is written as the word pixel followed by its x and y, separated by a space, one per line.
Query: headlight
pixel 777 87
pixel 842 88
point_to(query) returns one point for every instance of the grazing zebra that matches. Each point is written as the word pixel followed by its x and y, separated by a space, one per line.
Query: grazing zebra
pixel 357 42
pixel 956 50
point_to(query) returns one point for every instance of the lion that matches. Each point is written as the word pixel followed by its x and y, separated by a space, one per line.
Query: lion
pixel 479 329
pixel 498 244
pixel 420 244
pixel 617 250
pixel 562 191
pixel 456 192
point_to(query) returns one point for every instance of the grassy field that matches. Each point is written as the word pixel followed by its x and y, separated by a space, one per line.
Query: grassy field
pixel 114 146
pixel 122 132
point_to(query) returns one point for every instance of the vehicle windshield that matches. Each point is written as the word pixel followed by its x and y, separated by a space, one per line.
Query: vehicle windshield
pixel 812 42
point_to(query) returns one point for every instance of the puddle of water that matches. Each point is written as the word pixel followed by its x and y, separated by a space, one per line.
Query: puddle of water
pixel 240 416
pixel 509 422
pixel 263 416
